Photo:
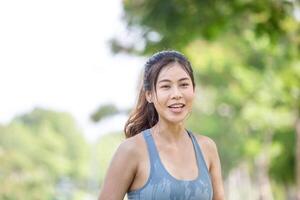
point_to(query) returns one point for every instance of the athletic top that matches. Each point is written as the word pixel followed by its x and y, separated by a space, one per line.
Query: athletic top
pixel 161 185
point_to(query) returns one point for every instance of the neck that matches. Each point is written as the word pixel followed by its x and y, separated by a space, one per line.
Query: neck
pixel 169 131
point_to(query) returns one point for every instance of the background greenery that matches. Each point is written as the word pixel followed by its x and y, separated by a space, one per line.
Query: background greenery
pixel 245 56
pixel 43 155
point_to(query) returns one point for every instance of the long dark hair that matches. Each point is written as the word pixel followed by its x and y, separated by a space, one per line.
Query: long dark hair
pixel 144 115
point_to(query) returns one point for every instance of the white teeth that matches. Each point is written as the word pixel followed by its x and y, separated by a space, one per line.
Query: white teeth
pixel 176 106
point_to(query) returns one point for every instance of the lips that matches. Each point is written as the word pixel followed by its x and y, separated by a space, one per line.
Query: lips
pixel 176 107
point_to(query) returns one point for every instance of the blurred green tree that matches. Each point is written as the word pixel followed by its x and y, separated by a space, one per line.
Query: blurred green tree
pixel 40 152
pixel 104 111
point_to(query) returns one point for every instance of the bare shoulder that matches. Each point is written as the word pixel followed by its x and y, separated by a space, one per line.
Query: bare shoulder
pixel 209 149
pixel 127 157
pixel 122 169
pixel 131 147
pixel 206 142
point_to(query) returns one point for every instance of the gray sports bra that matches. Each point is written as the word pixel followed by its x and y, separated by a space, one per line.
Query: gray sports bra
pixel 163 186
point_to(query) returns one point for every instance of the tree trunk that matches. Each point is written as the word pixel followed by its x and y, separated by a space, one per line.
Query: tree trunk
pixel 262 163
pixel 238 177
pixel 298 158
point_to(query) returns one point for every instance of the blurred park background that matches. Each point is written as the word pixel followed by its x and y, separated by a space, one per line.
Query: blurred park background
pixel 69 73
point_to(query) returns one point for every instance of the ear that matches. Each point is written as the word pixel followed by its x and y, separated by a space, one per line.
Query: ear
pixel 149 96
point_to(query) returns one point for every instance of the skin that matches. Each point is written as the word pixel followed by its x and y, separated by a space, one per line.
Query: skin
pixel 130 167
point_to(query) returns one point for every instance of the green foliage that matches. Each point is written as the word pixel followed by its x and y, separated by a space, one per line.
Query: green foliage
pixel 37 150
pixel 175 24
pixel 104 111
pixel 283 162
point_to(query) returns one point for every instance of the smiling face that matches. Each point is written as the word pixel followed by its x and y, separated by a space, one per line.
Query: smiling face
pixel 174 93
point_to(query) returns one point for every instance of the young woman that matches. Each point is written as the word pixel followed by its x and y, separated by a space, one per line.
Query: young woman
pixel 160 159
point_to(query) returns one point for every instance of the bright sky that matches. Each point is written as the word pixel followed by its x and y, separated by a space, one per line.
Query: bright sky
pixel 54 54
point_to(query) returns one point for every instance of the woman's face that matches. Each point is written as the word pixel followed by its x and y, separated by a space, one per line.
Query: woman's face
pixel 174 94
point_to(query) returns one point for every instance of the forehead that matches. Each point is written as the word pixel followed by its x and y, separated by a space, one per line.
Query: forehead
pixel 172 71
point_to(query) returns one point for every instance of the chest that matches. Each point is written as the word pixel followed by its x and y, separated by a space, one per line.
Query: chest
pixel 181 163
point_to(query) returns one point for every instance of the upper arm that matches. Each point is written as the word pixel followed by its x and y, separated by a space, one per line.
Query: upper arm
pixel 214 165
pixel 120 173
pixel 215 171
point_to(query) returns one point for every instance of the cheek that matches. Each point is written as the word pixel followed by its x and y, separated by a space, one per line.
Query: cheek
pixel 190 93
pixel 161 100
pixel 162 96
pixel 190 96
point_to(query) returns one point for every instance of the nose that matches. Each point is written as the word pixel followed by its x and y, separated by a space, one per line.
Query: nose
pixel 176 93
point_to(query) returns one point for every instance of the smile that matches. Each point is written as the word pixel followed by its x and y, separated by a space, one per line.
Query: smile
pixel 177 105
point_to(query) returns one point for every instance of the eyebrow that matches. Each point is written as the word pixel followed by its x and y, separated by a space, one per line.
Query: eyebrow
pixel 167 80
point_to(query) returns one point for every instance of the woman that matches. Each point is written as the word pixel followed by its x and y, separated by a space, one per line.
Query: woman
pixel 160 159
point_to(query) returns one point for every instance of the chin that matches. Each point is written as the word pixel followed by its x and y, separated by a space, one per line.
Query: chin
pixel 176 119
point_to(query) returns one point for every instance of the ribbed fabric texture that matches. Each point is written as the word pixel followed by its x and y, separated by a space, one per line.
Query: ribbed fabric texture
pixel 163 186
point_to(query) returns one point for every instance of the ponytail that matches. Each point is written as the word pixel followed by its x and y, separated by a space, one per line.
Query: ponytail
pixel 144 116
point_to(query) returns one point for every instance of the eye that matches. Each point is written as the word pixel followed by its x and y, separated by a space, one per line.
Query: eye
pixel 165 86
pixel 184 84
